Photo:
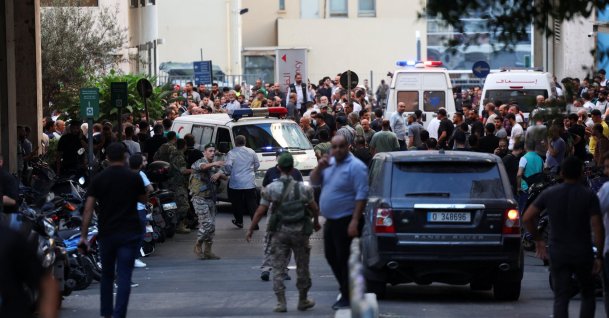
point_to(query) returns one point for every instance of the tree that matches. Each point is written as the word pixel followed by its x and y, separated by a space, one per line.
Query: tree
pixel 509 20
pixel 77 44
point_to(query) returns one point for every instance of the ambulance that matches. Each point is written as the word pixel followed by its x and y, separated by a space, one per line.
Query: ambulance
pixel 421 85
pixel 518 86
pixel 264 130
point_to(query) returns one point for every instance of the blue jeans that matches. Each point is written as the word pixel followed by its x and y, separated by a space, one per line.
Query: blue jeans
pixel 118 252
pixel 522 198
pixel 142 214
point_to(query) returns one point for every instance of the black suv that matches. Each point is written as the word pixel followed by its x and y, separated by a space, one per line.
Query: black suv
pixel 446 217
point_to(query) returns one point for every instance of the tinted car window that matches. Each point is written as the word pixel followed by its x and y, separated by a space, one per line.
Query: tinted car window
pixel 461 180
pixel 375 181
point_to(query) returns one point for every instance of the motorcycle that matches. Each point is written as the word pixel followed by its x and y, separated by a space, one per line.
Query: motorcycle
pixel 543 225
pixel 85 267
pixel 41 231
pixel 162 200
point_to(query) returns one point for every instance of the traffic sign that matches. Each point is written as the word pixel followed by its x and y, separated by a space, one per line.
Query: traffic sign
pixel 202 72
pixel 89 103
pixel 344 79
pixel 481 69
pixel 144 88
pixel 119 94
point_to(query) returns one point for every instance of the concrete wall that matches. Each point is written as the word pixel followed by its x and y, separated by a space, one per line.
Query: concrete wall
pixel 573 51
pixel 190 26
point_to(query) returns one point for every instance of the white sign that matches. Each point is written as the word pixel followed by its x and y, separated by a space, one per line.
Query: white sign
pixel 288 62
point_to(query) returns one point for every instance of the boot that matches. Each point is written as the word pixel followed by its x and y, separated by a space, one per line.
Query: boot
pixel 198 248
pixel 303 302
pixel 182 229
pixel 281 303
pixel 207 254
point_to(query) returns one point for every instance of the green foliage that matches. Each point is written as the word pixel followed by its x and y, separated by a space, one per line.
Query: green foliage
pixel 77 43
pixel 508 20
pixel 135 104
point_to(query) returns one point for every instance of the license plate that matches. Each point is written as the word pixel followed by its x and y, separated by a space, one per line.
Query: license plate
pixel 170 206
pixel 449 217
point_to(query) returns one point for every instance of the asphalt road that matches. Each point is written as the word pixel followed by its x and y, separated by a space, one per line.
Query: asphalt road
pixel 177 284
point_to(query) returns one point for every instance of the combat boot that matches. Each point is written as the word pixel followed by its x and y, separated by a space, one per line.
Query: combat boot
pixel 303 302
pixel 182 229
pixel 207 254
pixel 281 303
pixel 198 248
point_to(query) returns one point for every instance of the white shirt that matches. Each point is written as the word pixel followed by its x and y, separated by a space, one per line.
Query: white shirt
pixel 517 132
pixel 432 128
pixel 602 106
pixel 231 106
pixel 357 107
pixel 589 106
pixel 142 206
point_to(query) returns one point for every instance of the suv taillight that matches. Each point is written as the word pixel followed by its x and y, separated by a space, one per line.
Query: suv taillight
pixel 383 222
pixel 511 225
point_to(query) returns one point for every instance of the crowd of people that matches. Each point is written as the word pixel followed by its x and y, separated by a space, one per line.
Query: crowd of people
pixel 351 126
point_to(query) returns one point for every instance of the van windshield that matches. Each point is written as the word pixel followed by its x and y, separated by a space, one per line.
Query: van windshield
pixel 525 98
pixel 269 137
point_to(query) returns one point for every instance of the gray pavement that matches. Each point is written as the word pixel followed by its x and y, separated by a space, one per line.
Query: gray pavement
pixel 176 284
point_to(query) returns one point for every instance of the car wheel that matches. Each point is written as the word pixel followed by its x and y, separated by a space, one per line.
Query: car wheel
pixel 508 290
pixel 379 288
pixel 481 285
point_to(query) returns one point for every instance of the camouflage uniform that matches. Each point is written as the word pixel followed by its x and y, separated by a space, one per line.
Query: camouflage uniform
pixel 289 237
pixel 203 193
pixel 177 182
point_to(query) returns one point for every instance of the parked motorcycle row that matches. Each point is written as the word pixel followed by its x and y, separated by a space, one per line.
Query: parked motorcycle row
pixel 49 215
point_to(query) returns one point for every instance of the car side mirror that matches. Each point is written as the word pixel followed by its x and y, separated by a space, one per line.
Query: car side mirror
pixel 315 142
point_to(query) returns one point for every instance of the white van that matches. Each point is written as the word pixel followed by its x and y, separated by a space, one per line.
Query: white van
pixel 519 86
pixel 265 135
pixel 423 84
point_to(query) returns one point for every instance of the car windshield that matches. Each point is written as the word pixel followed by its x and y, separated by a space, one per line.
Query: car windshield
pixel 269 137
pixel 525 98
pixel 451 180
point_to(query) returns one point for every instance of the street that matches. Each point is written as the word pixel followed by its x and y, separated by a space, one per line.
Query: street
pixel 176 284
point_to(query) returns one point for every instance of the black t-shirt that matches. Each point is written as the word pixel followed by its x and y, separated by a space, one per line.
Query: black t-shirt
pixel 153 144
pixel 579 150
pixel 68 145
pixel 445 126
pixel 192 155
pixel 274 173
pixel 19 267
pixel 477 128
pixel 10 188
pixel 511 168
pixel 363 154
pixel 569 208
pixel 488 143
pixel 117 190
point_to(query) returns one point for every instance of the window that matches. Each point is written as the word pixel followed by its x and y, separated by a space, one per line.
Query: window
pixel 433 100
pixel 375 181
pixel 339 8
pixel 525 98
pixel 410 98
pixel 223 140
pixel 134 3
pixel 450 180
pixel 281 5
pixel 367 8
pixel 270 137
pixel 202 136
pixel 309 9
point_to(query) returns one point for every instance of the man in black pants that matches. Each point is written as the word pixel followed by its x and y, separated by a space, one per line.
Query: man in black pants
pixel 241 164
pixel 574 214
pixel 344 191
pixel 118 190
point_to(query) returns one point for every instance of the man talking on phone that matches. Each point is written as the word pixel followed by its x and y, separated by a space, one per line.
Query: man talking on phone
pixel 117 190
pixel 344 191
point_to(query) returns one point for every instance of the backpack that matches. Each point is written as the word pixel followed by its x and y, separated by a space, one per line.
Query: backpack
pixel 291 211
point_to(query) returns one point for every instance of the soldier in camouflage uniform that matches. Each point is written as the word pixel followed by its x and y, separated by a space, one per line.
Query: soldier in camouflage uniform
pixel 177 182
pixel 203 186
pixel 288 198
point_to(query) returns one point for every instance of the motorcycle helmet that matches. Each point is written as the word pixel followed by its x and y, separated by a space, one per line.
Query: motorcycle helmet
pixel 158 171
